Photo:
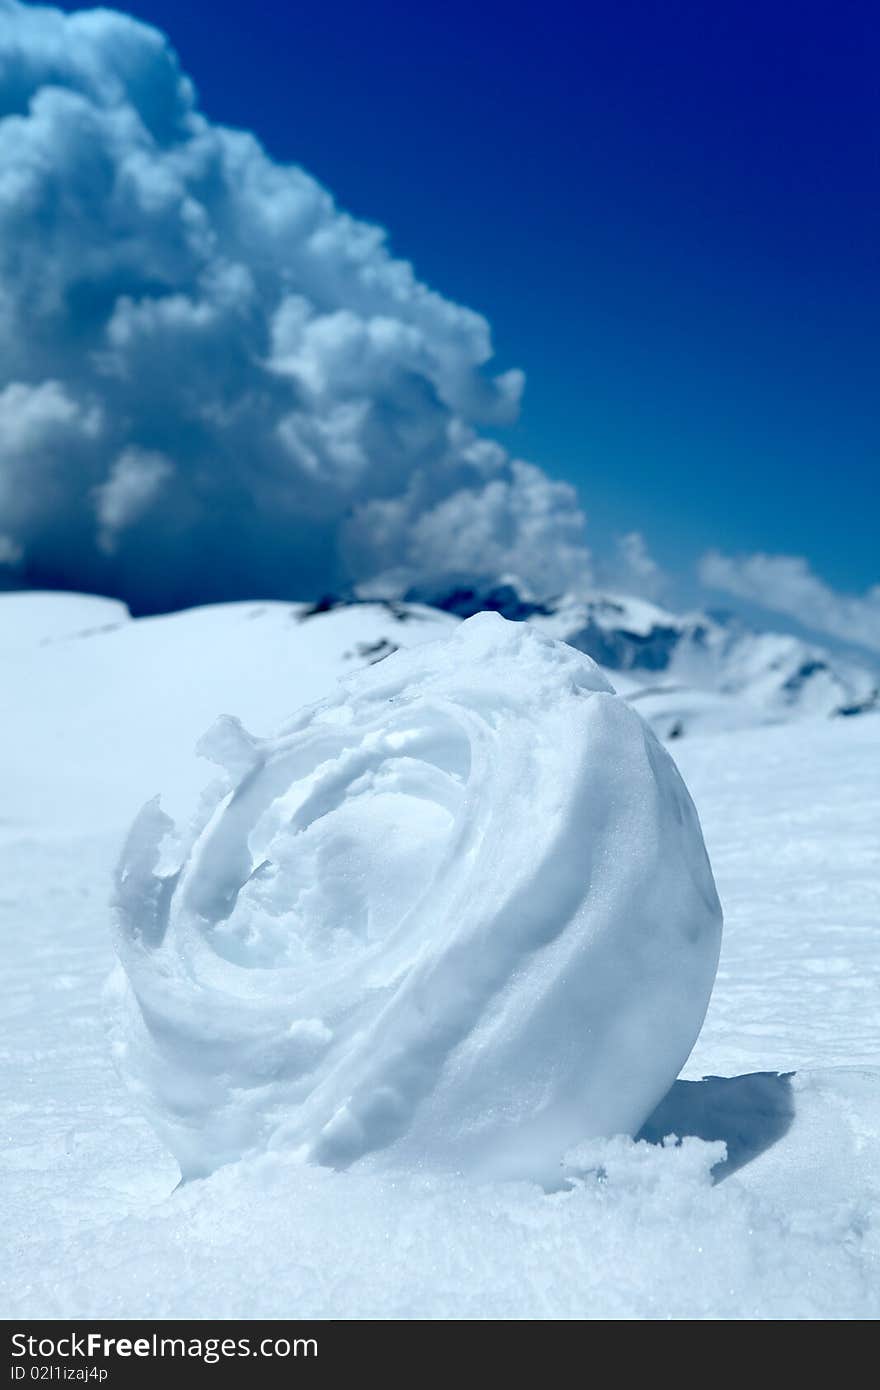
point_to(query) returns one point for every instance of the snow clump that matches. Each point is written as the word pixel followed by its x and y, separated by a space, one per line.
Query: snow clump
pixel 459 916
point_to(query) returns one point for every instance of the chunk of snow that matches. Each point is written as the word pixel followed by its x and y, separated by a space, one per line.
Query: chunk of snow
pixel 457 915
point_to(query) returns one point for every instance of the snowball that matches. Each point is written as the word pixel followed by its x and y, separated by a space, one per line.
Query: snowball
pixel 458 915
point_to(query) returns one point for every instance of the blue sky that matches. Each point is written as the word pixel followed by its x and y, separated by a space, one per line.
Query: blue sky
pixel 668 212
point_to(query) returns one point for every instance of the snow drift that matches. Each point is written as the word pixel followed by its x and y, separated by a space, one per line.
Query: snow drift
pixel 458 914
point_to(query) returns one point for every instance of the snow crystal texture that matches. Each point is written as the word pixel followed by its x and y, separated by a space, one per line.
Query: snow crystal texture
pixel 457 915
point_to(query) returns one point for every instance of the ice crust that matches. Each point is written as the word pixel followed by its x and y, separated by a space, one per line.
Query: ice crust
pixel 458 915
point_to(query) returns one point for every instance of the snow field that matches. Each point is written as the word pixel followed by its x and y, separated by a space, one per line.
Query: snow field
pixel 93 1220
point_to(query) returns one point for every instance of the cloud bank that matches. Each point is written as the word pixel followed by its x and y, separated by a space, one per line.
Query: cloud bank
pixel 216 383
pixel 786 584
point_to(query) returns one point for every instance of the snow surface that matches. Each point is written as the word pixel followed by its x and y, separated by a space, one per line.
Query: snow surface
pixel 117 714
pixel 94 1222
pixel 32 619
pixel 459 912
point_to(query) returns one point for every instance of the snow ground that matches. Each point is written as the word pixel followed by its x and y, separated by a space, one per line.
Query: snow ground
pixel 94 1226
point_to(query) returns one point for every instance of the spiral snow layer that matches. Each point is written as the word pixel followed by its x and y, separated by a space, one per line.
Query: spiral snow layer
pixel 458 915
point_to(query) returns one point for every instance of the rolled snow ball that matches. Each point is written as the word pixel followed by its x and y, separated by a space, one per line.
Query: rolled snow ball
pixel 457 915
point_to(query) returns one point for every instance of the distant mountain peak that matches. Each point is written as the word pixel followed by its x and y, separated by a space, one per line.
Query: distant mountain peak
pixel 688 671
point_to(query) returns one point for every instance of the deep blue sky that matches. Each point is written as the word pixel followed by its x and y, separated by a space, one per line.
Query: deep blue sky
pixel 669 213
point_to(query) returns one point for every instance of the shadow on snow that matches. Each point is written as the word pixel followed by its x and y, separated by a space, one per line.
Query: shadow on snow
pixel 750 1113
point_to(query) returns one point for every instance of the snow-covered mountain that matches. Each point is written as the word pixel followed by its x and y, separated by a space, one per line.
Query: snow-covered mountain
pixel 690 671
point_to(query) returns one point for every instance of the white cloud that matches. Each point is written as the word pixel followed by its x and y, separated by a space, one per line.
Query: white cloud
pixel 224 385
pixel 48 443
pixel 634 569
pixel 135 481
pixel 786 584
pixel 525 529
pixel 37 417
pixel 11 553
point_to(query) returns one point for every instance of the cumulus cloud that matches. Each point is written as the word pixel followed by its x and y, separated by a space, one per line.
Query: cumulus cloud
pixel 134 483
pixel 220 384
pixel 786 584
pixel 633 568
pixel 11 553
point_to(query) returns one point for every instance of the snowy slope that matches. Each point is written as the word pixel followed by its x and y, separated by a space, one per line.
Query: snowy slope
pixel 92 725
pixel 30 620
pixel 116 707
